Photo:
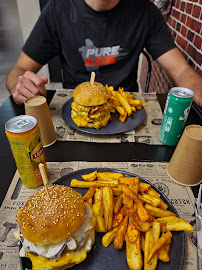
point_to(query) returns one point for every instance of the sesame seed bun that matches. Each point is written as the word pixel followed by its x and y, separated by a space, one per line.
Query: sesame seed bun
pixel 90 95
pixel 45 221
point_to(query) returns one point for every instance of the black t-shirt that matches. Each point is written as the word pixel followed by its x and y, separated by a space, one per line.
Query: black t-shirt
pixel 108 42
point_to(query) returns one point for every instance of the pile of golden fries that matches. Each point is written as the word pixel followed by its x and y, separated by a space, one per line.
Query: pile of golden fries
pixel 131 211
pixel 123 102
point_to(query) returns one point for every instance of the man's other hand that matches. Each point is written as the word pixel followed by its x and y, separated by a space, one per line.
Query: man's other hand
pixel 29 85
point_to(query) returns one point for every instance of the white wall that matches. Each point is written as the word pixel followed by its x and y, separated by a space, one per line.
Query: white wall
pixel 29 11
pixel 11 40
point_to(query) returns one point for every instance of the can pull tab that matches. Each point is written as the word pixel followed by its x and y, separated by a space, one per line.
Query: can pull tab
pixel 23 123
pixel 183 93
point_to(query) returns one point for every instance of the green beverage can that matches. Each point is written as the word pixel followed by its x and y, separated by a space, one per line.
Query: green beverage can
pixel 176 111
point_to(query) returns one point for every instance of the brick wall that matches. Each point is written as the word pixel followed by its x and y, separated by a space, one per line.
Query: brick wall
pixel 185 24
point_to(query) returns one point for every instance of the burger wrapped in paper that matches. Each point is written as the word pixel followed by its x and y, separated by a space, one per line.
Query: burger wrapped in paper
pixel 91 106
pixel 55 232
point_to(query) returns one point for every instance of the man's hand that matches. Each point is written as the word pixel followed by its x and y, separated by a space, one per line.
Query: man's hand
pixel 29 85
pixel 22 81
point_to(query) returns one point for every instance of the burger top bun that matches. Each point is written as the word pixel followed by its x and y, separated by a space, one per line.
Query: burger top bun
pixel 90 95
pixel 44 221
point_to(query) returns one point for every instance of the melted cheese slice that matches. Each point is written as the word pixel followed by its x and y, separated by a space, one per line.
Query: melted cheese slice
pixel 72 257
pixel 83 121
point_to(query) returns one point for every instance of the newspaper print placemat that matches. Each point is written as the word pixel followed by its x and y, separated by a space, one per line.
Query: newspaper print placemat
pixel 147 132
pixel 180 196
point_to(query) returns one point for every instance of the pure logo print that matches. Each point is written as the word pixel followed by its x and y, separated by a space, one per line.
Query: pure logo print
pixel 94 57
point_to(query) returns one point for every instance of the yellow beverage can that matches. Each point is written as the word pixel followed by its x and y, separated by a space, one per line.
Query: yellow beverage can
pixel 25 141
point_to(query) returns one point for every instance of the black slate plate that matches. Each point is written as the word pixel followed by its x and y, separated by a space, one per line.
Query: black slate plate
pixel 115 126
pixel 99 257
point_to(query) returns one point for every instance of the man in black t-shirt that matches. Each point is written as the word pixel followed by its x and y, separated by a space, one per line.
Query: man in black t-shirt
pixel 105 36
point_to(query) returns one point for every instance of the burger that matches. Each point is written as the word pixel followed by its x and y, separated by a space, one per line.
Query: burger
pixel 56 232
pixel 91 106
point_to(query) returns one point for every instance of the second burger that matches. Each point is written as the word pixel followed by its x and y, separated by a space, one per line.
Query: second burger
pixel 91 106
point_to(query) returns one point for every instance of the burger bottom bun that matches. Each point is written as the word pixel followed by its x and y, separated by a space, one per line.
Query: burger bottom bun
pixel 75 259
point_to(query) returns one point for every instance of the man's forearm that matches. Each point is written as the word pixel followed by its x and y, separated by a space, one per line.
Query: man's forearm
pixel 12 78
pixel 183 75
pixel 191 80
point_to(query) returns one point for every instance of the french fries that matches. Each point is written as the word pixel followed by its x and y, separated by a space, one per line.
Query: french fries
pixel 142 212
pixel 90 202
pixel 128 201
pixel 120 233
pixel 142 241
pixel 133 254
pixel 125 104
pixel 125 180
pixel 131 211
pixel 143 187
pixel 97 206
pixel 100 224
pixel 118 218
pixel 107 203
pixel 90 176
pixel 154 201
pixel 89 194
pixel 109 237
pixel 158 245
pixel 117 191
pixel 105 175
pixel 164 252
pixel 118 204
pixel 157 212
pixel 150 238
pixel 82 184
pixel 142 226
pixel 98 211
pixel 175 224
pixel 153 192
pixel 134 184
pixel 132 232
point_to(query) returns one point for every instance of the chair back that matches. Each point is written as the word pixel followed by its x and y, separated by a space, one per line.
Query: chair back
pixel 149 70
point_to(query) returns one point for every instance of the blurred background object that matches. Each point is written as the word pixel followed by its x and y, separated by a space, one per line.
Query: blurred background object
pixel 17 18
pixel 11 42
pixel 11 39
